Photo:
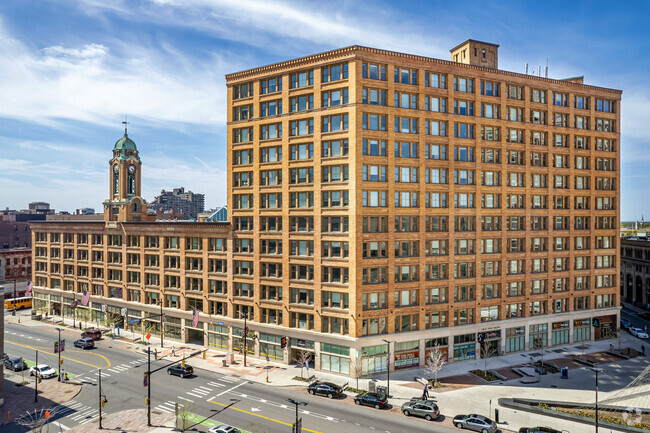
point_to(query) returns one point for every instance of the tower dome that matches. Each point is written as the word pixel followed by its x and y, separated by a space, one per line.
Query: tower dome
pixel 125 147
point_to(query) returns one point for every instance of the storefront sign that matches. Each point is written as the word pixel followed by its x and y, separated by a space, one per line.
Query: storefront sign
pixel 406 360
pixel 561 325
pixel 581 322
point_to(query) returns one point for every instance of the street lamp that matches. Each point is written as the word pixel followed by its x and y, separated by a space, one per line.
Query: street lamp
pixel 297 403
pixel 162 326
pixel 59 351
pixel 245 334
pixel 388 366
pixel 596 370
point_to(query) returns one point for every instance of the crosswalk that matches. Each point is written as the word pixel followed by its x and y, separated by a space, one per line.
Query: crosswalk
pixel 201 392
pixel 114 369
pixel 77 412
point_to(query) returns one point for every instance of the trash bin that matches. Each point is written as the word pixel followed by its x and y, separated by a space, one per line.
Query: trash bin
pixel 496 415
pixel 224 363
pixel 564 372
pixel 381 390
pixel 372 385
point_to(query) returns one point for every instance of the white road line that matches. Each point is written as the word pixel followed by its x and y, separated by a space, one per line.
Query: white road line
pixel 215 384
pixel 206 388
pixel 229 379
pixel 61 426
pixel 201 391
pixel 186 399
pixel 195 395
pixel 114 371
pixel 164 409
pixel 228 390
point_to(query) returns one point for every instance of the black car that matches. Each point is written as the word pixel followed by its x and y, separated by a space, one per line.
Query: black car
pixel 84 343
pixel 179 370
pixel 325 388
pixel 15 364
pixel 538 430
pixel 372 399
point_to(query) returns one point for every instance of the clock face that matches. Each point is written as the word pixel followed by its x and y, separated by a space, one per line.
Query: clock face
pixel 116 168
pixel 131 169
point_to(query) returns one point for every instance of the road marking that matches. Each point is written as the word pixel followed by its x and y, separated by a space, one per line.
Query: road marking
pixel 228 390
pixel 66 358
pixel 229 379
pixel 215 384
pixel 186 399
pixel 259 415
pixel 195 395
pixel 206 388
pixel 164 409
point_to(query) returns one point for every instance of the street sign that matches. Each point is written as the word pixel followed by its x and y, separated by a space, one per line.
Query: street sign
pixel 123 311
pixel 58 348
pixel 148 336
pixel 104 308
pixel 220 323
pixel 145 380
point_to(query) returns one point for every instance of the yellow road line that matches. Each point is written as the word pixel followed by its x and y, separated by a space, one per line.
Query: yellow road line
pixel 66 358
pixel 259 416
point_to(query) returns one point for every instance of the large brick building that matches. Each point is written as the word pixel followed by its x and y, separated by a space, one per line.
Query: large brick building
pixel 383 203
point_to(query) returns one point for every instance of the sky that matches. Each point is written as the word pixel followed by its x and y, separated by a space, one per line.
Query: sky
pixel 71 70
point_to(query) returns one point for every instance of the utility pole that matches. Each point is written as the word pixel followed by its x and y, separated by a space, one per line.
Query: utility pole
pixel 59 351
pixel 36 380
pixel 162 325
pixel 100 397
pixel 149 386
pixel 13 313
pixel 245 336
pixel 388 367
pixel 298 427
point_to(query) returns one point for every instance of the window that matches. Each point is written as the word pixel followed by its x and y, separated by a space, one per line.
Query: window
pixel 374 275
pixel 242 91
pixel 463 130
pixel 271 131
pixel 435 151
pixel 302 199
pixel 538 117
pixel 271 177
pixel 242 157
pixel 406 199
pixel 406 224
pixel 335 98
pixel 338 122
pixel 437 105
pixel 436 224
pixel 437 81
pixel 490 156
pixel 242 135
pixel 581 102
pixel 490 133
pixel 581 122
pixel 515 114
pixel 463 153
pixel 436 199
pixel 334 173
pixel 301 224
pixel 243 201
pixel 302 127
pixel 334 199
pixel 335 249
pixel 374 122
pixel 490 201
pixel 243 112
pixel 514 92
pixel 302 79
pixel 464 177
pixel 271 201
pixel 373 72
pixel 302 103
pixel 435 175
pixel 406 100
pixel 489 88
pixel 463 108
pixel 514 135
pixel 271 85
pixel 335 148
pixel 605 105
pixel 374 96
pixel 271 224
pixel 538 96
pixel 374 147
pixel 463 200
pixel 374 198
pixel 490 111
pixel 406 125
pixel 334 72
pixel 463 85
pixel 406 150
pixel 406 76
pixel 374 173
pixel 270 108
pixel 271 154
pixel 302 151
pixel 375 224
pixel 435 127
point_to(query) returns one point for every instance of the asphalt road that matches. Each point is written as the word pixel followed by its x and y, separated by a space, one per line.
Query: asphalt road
pixel 210 395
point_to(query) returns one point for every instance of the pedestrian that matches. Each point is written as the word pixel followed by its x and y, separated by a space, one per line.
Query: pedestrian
pixel 643 350
pixel 173 351
pixel 425 392
pixel 65 375
pixel 155 353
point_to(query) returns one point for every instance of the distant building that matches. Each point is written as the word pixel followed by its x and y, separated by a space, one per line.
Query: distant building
pixel 40 207
pixel 215 215
pixel 16 264
pixel 635 271
pixel 186 203
pixel 15 234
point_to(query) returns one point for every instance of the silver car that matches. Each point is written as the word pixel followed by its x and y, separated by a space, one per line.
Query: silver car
pixel 475 422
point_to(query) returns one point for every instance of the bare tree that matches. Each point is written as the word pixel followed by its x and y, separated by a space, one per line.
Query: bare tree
pixel 184 415
pixel 302 358
pixel 434 362
pixel 356 368
pixel 487 351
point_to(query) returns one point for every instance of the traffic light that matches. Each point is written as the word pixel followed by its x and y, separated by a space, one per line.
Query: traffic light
pixel 145 381
pixel 146 401
pixel 60 362
pixel 183 363
pixel 283 342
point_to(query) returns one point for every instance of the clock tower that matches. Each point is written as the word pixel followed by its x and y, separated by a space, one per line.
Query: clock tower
pixel 125 202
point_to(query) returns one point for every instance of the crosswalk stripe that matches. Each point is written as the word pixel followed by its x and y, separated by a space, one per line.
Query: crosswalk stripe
pixel 195 395
pixel 164 409
pixel 186 399
pixel 206 388
pixel 216 384
pixel 114 371
pixel 228 379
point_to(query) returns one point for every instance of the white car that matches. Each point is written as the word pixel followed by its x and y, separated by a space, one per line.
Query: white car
pixel 224 428
pixel 638 332
pixel 42 370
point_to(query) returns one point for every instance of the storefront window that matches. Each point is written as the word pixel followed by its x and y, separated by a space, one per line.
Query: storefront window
pixel 464 347
pixel 538 336
pixel 560 333
pixel 270 346
pixel 374 359
pixel 515 339
pixel 335 358
pixel 581 330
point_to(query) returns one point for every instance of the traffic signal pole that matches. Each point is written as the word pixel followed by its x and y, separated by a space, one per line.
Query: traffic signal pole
pixel 148 386
pixel 35 380
pixel 99 372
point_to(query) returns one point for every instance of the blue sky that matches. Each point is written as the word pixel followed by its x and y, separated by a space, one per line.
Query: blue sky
pixel 71 69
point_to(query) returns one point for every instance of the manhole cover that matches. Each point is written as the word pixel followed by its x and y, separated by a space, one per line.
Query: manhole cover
pixel 156 412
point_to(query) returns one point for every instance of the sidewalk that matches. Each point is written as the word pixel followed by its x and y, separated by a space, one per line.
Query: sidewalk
pixel 129 421
pixel 463 392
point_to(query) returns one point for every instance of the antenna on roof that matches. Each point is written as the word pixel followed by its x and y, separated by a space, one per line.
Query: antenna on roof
pixel 539 70
pixel 125 123
pixel 526 69
pixel 546 68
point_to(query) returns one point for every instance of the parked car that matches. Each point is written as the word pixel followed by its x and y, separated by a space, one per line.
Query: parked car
pixel 625 324
pixel 372 399
pixel 638 332
pixel 42 370
pixel 426 409
pixel 538 430
pixel 5 356
pixel 15 364
pixel 95 334
pixel 325 388
pixel 179 370
pixel 475 422
pixel 84 343
pixel 224 428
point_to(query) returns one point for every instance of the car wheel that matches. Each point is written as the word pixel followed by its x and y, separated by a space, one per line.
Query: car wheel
pixel 357 402
pixel 376 406
pixel 169 372
pixel 428 417
pixel 484 431
pixel 330 395
pixel 459 425
pixel 311 391
pixel 182 375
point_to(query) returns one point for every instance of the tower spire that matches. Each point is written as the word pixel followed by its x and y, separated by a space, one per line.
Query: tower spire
pixel 125 123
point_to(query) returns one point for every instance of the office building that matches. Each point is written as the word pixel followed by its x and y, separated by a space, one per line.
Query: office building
pixel 178 201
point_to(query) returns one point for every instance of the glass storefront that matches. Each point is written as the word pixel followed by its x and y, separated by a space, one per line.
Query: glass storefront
pixel 442 343
pixel 538 336
pixel 270 346
pixel 218 336
pixel 515 339
pixel 238 341
pixel 335 358
pixel 172 327
pixel 581 330
pixel 407 354
pixel 560 333
pixel 374 359
pixel 464 347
